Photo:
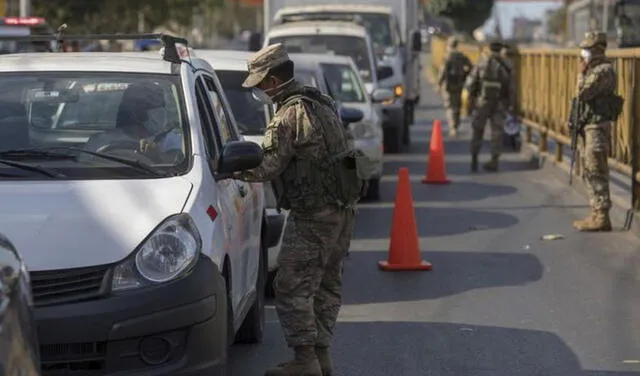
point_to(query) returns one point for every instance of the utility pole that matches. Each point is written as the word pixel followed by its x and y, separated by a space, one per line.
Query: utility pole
pixel 25 8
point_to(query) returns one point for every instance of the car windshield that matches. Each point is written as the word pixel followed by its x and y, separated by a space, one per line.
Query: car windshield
pixel 92 125
pixel 378 26
pixel 306 78
pixel 343 83
pixel 250 114
pixel 355 47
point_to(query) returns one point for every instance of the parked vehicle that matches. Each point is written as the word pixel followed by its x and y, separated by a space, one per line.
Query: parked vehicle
pixel 19 353
pixel 337 76
pixel 252 118
pixel 145 256
pixel 393 26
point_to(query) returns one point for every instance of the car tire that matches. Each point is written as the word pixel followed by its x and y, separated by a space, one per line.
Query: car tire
pixel 373 193
pixel 269 291
pixel 230 329
pixel 393 139
pixel 252 329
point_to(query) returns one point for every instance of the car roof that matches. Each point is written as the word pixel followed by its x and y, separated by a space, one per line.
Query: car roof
pixel 130 62
pixel 343 8
pixel 321 58
pixel 231 60
pixel 318 27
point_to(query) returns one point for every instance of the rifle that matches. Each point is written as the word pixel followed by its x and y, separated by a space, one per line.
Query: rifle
pixel 575 128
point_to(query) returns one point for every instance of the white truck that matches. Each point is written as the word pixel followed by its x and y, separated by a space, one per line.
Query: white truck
pixel 393 26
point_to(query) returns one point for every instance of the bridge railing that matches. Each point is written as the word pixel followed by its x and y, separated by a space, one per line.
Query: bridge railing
pixel 546 82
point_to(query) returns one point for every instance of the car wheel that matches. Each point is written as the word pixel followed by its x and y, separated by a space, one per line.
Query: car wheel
pixel 269 291
pixel 252 329
pixel 373 193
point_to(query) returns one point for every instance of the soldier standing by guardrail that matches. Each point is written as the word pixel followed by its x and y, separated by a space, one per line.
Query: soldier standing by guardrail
pixel 598 106
pixel 451 82
pixel 490 98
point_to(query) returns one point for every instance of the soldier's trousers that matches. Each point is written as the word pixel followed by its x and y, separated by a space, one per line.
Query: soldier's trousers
pixel 594 151
pixel 308 285
pixel 452 104
pixel 496 115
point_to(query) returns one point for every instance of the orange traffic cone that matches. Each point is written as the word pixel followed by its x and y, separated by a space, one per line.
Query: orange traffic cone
pixel 436 173
pixel 404 252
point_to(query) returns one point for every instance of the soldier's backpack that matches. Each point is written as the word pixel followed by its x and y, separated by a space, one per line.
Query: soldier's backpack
pixel 455 72
pixel 351 168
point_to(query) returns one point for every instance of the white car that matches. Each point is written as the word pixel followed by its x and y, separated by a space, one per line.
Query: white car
pixel 337 76
pixel 145 257
pixel 252 118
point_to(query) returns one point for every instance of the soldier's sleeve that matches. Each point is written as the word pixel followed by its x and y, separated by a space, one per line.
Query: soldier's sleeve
pixel 278 148
pixel 601 80
pixel 473 79
pixel 442 76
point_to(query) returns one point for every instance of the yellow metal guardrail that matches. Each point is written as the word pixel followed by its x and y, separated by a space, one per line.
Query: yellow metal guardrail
pixel 546 82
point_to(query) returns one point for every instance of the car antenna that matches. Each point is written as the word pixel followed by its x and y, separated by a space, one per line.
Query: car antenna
pixel 58 35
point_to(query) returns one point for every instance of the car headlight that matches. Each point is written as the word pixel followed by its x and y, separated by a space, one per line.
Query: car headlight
pixel 171 250
pixel 362 129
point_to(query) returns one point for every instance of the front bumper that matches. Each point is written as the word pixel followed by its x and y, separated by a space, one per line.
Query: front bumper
pixel 177 328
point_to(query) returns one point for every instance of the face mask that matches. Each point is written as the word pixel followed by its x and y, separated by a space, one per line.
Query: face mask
pixel 260 95
pixel 586 54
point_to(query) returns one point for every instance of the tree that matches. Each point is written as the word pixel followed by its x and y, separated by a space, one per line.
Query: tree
pixel 467 15
pixel 557 22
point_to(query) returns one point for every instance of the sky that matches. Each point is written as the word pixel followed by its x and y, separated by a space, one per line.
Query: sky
pixel 509 10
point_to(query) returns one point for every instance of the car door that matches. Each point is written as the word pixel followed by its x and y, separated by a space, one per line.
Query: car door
pixel 228 193
pixel 247 202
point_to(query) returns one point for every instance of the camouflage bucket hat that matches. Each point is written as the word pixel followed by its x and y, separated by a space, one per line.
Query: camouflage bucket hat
pixel 452 42
pixel 263 60
pixel 594 38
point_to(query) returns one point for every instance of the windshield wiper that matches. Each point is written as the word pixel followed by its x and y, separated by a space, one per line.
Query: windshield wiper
pixel 57 152
pixel 28 167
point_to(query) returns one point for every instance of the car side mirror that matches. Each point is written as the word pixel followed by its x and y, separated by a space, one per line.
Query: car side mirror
pixel 416 41
pixel 350 115
pixel 238 156
pixel 384 72
pixel 255 41
pixel 382 95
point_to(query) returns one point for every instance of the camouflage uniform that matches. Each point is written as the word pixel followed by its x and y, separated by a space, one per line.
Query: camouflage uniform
pixel 596 84
pixel 451 83
pixel 309 281
pixel 491 97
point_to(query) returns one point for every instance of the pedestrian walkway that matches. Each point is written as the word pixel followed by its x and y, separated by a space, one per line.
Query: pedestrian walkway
pixel 499 301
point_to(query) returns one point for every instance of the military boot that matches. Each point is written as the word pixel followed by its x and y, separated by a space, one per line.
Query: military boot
pixel 325 360
pixel 596 221
pixel 492 165
pixel 305 363
pixel 474 162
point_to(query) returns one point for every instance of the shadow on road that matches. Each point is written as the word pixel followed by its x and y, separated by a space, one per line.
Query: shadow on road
pixel 453 273
pixel 428 349
pixel 457 191
pixel 374 223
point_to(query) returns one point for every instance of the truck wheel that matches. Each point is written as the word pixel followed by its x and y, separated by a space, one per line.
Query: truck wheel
pixel 252 329
pixel 393 140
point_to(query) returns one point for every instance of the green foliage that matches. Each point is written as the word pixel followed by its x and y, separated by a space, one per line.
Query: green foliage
pixel 557 21
pixel 119 16
pixel 467 15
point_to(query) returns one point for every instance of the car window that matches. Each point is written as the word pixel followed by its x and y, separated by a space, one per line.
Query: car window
pixel 355 47
pixel 343 83
pixel 206 122
pixel 226 127
pixel 111 113
pixel 250 114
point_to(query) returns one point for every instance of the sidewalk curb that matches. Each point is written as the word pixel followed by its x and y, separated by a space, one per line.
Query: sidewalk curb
pixel 620 212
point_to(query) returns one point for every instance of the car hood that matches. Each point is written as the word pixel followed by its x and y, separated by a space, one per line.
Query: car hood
pixel 73 224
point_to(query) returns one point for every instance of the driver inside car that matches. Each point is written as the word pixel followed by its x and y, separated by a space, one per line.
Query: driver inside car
pixel 140 125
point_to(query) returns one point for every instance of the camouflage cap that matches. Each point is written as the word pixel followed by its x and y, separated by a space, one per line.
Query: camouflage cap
pixel 263 60
pixel 495 43
pixel 452 41
pixel 594 38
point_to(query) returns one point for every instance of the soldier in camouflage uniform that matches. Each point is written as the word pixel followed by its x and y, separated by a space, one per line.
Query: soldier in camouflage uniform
pixel 491 97
pixel 451 82
pixel 596 91
pixel 305 132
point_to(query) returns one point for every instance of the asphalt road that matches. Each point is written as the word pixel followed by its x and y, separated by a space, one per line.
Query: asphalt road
pixel 500 301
